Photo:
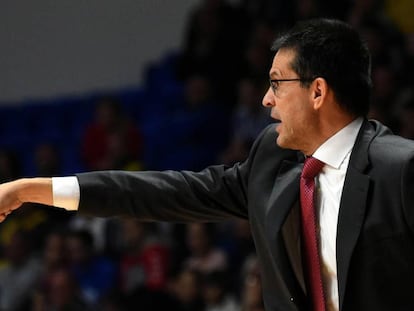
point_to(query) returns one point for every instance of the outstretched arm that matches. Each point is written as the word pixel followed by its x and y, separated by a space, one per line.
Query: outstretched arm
pixel 14 194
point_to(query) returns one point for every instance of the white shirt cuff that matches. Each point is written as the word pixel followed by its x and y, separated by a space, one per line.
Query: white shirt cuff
pixel 66 192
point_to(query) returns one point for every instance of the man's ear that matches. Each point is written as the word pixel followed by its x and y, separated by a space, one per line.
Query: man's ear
pixel 319 92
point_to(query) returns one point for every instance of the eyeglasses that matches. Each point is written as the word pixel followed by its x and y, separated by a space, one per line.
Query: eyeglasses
pixel 274 83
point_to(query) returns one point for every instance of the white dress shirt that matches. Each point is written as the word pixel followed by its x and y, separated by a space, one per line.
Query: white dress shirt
pixel 335 153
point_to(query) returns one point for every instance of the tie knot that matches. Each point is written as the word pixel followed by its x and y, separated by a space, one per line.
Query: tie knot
pixel 312 167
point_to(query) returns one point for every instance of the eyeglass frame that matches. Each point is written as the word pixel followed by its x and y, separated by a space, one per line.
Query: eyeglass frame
pixel 274 89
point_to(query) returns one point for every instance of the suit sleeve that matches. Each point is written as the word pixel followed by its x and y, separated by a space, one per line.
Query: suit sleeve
pixel 216 193
pixel 212 194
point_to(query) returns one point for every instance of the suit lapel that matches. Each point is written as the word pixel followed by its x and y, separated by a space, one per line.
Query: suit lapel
pixel 284 195
pixel 291 231
pixel 353 206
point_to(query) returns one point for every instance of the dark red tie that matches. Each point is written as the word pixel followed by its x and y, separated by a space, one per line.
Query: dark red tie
pixel 311 168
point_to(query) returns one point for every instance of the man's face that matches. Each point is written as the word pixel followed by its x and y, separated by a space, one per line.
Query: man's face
pixel 291 104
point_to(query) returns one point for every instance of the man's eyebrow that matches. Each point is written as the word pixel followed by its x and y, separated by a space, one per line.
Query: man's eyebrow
pixel 275 74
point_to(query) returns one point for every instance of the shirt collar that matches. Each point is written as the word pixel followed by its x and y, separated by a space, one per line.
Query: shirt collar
pixel 336 148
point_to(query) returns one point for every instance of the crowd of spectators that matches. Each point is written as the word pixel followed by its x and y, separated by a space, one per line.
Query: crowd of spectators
pixel 55 260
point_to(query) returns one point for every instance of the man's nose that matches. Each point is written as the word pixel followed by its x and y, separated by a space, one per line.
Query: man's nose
pixel 268 98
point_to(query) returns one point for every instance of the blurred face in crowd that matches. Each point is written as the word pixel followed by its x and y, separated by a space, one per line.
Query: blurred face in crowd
pixel 62 288
pixel 252 287
pixel 198 239
pixel 187 287
pixel 47 161
pixel 107 113
pixel 197 91
pixel 133 233
pixel 17 249
pixel 54 253
pixel 212 294
pixel 77 251
pixel 291 104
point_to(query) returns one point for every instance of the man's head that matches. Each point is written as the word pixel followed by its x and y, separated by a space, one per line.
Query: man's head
pixel 328 68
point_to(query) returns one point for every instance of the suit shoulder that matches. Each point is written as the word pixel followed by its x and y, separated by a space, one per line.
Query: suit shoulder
pixel 393 145
pixel 392 148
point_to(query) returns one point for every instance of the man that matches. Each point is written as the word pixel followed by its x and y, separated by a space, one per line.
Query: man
pixel 320 86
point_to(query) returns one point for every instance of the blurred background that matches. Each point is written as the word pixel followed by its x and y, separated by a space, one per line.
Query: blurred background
pixel 153 85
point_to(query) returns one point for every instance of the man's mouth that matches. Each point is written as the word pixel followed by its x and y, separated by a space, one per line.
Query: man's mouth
pixel 275 116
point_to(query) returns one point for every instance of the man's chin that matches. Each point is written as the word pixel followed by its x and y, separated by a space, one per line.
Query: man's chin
pixel 282 142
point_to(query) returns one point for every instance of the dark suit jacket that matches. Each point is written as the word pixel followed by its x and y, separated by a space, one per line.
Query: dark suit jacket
pixel 375 235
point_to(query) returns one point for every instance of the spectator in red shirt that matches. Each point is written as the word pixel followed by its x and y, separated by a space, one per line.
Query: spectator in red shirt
pixel 111 141
pixel 144 262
